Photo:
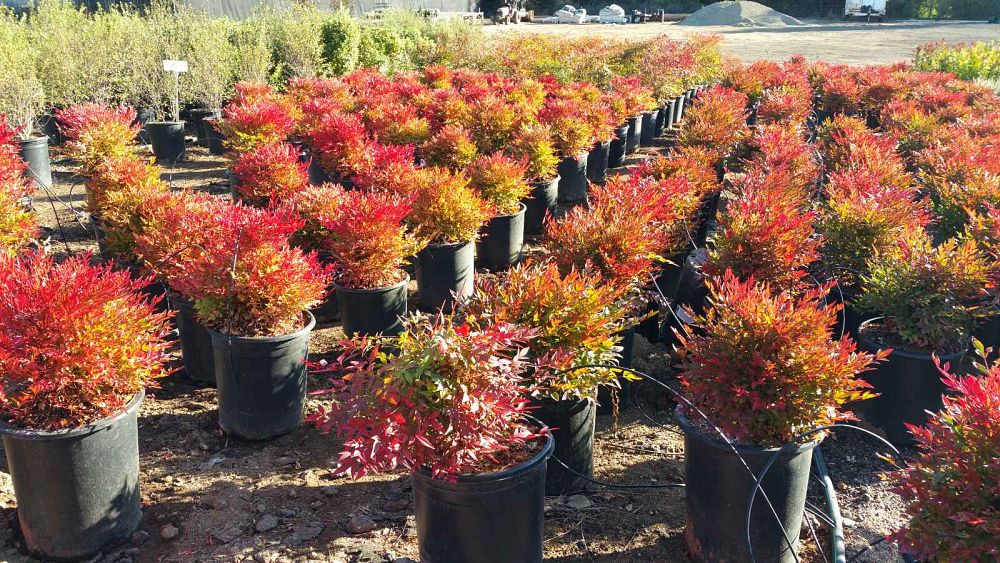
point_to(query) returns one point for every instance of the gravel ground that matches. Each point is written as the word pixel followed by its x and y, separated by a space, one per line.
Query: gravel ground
pixel 208 497
pixel 852 43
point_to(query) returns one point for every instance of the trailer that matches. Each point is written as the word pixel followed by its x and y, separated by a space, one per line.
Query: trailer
pixel 865 9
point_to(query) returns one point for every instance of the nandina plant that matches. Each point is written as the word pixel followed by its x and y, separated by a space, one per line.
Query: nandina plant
pixel 846 143
pixel 269 173
pixel 499 181
pixel 445 209
pixel 126 173
pixel 251 123
pixel 927 295
pixel 313 205
pixel 716 121
pixel 574 316
pixel 572 134
pixel 368 240
pixel 788 105
pixel 17 225
pixel 452 147
pixel 763 364
pixel 533 143
pixel 97 132
pixel 619 235
pixel 777 146
pixel 694 164
pixel 764 234
pixel 124 214
pixel 341 145
pixel 12 167
pixel 951 487
pixel 442 396
pixel 628 98
pixel 861 215
pixel 77 341
pixel 175 227
pixel 248 280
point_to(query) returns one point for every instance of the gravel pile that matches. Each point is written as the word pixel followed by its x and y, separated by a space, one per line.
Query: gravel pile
pixel 739 14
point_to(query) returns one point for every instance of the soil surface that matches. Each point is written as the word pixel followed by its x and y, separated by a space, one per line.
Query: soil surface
pixel 852 43
pixel 209 497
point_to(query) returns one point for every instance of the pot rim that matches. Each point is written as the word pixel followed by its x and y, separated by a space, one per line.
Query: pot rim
pixel 690 430
pixel 165 123
pixel 271 339
pixel 520 211
pixel 29 434
pixel 34 140
pixel 545 183
pixel 903 352
pixel 386 289
pixel 502 475
pixel 437 245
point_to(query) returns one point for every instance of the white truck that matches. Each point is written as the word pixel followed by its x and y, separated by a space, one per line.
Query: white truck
pixel 865 9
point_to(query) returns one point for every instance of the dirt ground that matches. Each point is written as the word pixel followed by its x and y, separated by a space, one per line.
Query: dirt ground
pixel 208 497
pixel 853 43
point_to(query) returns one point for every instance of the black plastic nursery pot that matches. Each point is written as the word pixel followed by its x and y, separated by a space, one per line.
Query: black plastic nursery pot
pixel 483 518
pixel 572 423
pixel 317 176
pixel 444 272
pixel 634 134
pixel 35 153
pixel 203 130
pixel 679 103
pixel 77 490
pixel 908 385
pixel 691 289
pixel 215 139
pixel 718 488
pixel 261 381
pixel 668 114
pixel 616 151
pixel 501 241
pixel 604 401
pixel 988 332
pixel 372 311
pixel 597 162
pixel 573 179
pixel 196 344
pixel 648 132
pixel 661 121
pixel 543 200
pixel 167 140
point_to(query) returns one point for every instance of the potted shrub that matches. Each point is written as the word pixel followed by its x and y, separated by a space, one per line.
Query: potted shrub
pixel 628 100
pixel 22 99
pixel 499 181
pixel 448 214
pixel 96 133
pixel 175 226
pixel 575 318
pixel 68 412
pixel 619 237
pixel 252 121
pixel 925 300
pixel 859 216
pixel 984 228
pixel 268 174
pixel 211 61
pixel 444 401
pixel 572 136
pixel 533 143
pixel 451 147
pixel 950 487
pixel 368 244
pixel 252 290
pixel 764 368
pixel 17 224
pixel 717 122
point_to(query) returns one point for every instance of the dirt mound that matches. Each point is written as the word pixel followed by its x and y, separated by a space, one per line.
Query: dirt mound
pixel 739 14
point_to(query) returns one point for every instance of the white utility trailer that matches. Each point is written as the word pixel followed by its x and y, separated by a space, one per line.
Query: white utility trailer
pixel 865 9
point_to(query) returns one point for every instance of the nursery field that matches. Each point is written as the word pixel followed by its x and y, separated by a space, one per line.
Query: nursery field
pixel 849 43
pixel 304 287
pixel 209 497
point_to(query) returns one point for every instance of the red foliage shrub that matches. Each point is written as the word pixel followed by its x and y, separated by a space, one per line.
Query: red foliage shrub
pixel 17 225
pixel 534 145
pixel 846 143
pixel 765 234
pixel 952 486
pixel 127 173
pixel 247 279
pixel 499 181
pixel 441 396
pixel 451 147
pixel 574 316
pixel 368 240
pixel 572 133
pixel 777 146
pixel 175 225
pixel 314 205
pixel 341 145
pixel 12 166
pixel 764 366
pixel 77 342
pixel 97 132
pixel 252 123
pixel 269 173
pixel 716 122
pixel 628 97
